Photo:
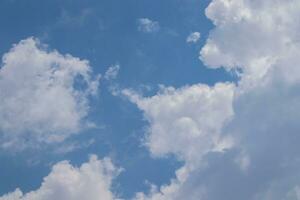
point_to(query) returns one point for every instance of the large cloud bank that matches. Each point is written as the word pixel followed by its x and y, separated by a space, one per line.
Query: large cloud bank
pixel 238 141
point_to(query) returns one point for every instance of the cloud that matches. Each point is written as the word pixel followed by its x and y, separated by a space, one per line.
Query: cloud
pixel 147 25
pixel 186 122
pixel 44 95
pixel 259 41
pixel 188 115
pixel 244 37
pixel 236 140
pixel 193 37
pixel 112 72
pixel 72 146
pixel 92 180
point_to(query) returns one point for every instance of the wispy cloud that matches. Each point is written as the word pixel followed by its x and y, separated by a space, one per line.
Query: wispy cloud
pixel 193 37
pixel 112 72
pixel 147 25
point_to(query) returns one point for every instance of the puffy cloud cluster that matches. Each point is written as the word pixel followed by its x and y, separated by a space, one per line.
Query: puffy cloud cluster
pixel 43 95
pixel 92 180
pixel 253 36
pixel 257 119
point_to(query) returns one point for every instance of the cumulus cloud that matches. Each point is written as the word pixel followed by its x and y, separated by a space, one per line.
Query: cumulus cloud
pixel 44 95
pixel 193 37
pixel 92 180
pixel 147 25
pixel 189 115
pixel 186 122
pixel 259 41
pixel 236 140
pixel 234 45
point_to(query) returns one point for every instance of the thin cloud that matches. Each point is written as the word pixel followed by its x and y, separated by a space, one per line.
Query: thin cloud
pixel 193 37
pixel 147 25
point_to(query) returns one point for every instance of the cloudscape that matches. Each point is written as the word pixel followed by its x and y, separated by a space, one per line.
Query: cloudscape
pixel 150 100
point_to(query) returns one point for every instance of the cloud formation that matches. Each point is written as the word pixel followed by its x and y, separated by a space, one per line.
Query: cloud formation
pixel 236 140
pixel 193 37
pixel 112 72
pixel 259 41
pixel 92 180
pixel 147 25
pixel 44 95
pixel 188 115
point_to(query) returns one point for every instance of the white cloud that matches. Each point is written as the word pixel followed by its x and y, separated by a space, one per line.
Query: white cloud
pixel 189 115
pixel 237 141
pixel 44 95
pixel 186 122
pixel 112 72
pixel 193 37
pixel 252 35
pixel 147 25
pixel 92 181
pixel 259 40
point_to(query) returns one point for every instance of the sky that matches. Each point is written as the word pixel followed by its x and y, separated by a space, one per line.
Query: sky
pixel 149 100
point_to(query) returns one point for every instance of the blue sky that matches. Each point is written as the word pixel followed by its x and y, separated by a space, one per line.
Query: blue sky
pixel 202 102
pixel 106 33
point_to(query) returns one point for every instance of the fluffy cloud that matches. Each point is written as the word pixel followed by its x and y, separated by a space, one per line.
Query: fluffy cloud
pixel 259 41
pixel 193 37
pixel 44 95
pixel 189 115
pixel 147 25
pixel 92 180
pixel 186 122
pixel 252 36
pixel 237 141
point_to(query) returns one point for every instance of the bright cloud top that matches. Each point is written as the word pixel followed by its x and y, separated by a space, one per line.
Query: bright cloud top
pixel 44 95
pixel 147 25
pixel 189 115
